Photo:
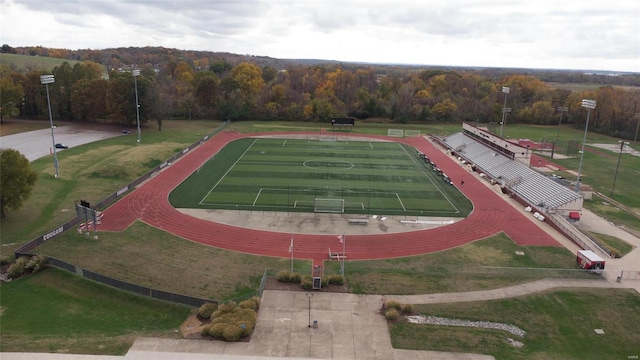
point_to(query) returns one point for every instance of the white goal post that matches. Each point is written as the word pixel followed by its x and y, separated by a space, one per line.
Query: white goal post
pixel 324 205
pixel 395 132
pixel 408 133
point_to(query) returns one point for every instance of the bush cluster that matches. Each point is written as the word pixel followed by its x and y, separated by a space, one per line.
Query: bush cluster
pixel 391 314
pixel 307 282
pixel 393 309
pixel 284 276
pixel 231 322
pixel 24 264
pixel 206 310
pixel 253 303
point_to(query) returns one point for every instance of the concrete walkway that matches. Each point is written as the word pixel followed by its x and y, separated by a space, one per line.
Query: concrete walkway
pixel 349 326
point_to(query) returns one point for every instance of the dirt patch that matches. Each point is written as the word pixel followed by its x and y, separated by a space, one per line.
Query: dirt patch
pixel 192 328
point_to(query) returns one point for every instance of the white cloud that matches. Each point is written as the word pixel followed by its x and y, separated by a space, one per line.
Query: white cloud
pixel 574 34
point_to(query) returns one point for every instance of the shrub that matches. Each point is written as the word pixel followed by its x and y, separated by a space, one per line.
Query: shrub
pixel 325 281
pixel 406 308
pixel 307 282
pixel 391 314
pixel 17 268
pixel 283 276
pixel 232 332
pixel 224 309
pixel 206 330
pixel 336 279
pixel 247 304
pixel 216 330
pixel 392 304
pixel 256 300
pixel 295 278
pixel 206 310
pixel 36 263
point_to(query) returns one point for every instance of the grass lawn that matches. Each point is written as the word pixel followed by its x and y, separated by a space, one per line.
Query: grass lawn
pixel 484 264
pixel 167 262
pixel 559 325
pixel 619 246
pixel 55 311
pixel 362 177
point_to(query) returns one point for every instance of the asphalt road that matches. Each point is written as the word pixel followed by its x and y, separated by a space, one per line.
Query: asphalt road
pixel 36 144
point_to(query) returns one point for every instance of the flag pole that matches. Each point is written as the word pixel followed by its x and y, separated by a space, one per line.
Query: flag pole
pixel 344 254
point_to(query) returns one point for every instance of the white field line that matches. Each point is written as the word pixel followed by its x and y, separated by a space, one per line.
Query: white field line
pixel 284 143
pixel 228 171
pixel 428 177
pixel 257 196
pixel 400 200
pixel 370 145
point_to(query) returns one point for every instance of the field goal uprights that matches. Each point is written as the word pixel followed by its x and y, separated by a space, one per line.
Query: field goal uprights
pixel 326 205
pixel 402 133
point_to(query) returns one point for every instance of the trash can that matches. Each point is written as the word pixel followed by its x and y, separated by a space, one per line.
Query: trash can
pixel 315 324
pixel 619 279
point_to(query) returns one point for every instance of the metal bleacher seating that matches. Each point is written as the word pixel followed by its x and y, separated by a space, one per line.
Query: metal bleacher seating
pixel 534 187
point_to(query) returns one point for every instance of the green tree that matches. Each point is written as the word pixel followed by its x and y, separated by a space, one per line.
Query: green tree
pixel 11 96
pixel 16 180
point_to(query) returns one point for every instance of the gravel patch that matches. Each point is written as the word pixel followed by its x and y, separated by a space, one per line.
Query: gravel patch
pixel 435 320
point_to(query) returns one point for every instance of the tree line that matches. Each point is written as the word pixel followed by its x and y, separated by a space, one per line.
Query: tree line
pixel 214 88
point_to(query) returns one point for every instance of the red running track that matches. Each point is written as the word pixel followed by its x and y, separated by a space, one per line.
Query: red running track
pixel 491 215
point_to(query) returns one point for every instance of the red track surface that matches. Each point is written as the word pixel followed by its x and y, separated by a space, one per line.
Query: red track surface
pixel 149 203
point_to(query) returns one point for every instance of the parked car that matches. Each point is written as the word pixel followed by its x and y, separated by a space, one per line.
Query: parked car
pixel 61 146
pixel 126 131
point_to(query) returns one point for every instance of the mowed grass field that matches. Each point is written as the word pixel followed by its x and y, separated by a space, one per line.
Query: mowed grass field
pixel 358 177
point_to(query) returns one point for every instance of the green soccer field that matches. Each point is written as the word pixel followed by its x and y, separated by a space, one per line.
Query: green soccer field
pixel 354 177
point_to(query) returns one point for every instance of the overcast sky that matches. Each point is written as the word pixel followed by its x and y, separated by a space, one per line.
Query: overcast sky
pixel 559 34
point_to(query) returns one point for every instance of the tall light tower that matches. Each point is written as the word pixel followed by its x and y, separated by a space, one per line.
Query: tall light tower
pixel 505 110
pixel 622 144
pixel 135 74
pixel 562 109
pixel 46 80
pixel 590 105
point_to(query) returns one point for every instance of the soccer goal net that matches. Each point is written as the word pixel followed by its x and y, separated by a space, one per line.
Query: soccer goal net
pixel 408 133
pixel 395 132
pixel 324 205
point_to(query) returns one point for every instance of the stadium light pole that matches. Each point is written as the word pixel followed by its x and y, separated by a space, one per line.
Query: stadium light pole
pixel 505 90
pixel 589 105
pixel 46 80
pixel 562 109
pixel 622 144
pixel 135 74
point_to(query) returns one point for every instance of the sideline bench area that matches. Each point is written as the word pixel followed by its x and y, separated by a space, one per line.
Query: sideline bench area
pixel 356 221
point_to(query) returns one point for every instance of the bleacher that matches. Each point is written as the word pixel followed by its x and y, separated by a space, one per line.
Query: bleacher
pixel 534 187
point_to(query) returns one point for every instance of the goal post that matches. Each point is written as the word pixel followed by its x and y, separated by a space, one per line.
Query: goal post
pixel 395 133
pixel 408 133
pixel 325 205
